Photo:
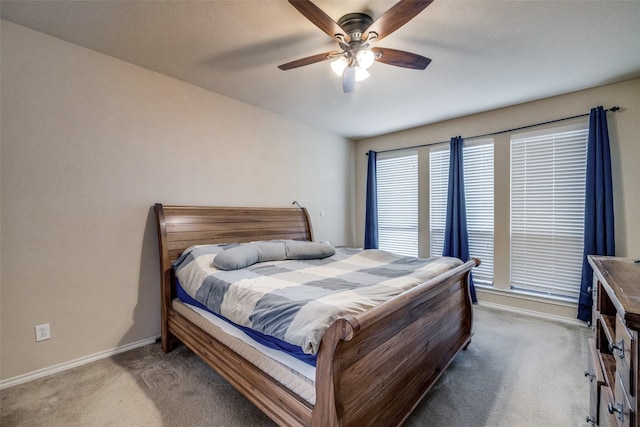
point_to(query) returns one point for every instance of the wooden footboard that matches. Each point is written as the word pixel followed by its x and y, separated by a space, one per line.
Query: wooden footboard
pixel 372 368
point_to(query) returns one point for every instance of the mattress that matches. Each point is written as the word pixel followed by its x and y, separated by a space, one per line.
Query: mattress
pixel 296 300
pixel 266 340
pixel 297 376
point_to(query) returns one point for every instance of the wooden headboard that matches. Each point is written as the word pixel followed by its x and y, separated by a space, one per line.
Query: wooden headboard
pixel 182 226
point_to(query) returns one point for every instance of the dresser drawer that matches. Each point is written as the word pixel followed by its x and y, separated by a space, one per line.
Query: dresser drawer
pixel 624 352
pixel 606 419
pixel 621 406
pixel 615 411
pixel 596 380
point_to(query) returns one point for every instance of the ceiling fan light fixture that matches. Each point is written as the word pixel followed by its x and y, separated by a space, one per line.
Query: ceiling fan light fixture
pixel 339 65
pixel 365 58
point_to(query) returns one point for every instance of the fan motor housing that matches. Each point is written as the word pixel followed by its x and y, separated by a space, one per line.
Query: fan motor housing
pixel 354 24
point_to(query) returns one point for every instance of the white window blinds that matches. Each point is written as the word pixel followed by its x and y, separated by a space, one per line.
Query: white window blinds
pixel 478 188
pixel 398 203
pixel 438 179
pixel 479 196
pixel 547 210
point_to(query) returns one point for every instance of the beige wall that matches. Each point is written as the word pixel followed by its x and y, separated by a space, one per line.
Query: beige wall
pixel 624 128
pixel 89 143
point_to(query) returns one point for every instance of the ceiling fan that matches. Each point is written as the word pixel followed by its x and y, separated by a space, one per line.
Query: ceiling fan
pixel 356 33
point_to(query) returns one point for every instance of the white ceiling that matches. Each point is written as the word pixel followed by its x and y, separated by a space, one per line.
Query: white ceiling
pixel 486 54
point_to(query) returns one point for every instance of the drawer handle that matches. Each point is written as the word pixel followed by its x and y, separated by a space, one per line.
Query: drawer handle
pixel 619 347
pixel 589 375
pixel 619 408
pixel 591 420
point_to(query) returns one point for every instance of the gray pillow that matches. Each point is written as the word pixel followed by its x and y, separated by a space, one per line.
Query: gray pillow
pixel 250 253
pixel 309 250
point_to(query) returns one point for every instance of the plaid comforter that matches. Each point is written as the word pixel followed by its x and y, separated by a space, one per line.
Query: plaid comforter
pixel 297 300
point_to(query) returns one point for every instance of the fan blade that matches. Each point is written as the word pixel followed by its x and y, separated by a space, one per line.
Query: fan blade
pixel 394 18
pixel 323 21
pixel 308 60
pixel 400 58
pixel 348 79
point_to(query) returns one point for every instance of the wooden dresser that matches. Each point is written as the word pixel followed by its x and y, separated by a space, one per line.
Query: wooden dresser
pixel 613 365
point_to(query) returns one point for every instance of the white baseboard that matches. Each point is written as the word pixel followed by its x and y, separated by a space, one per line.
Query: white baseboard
pixel 533 313
pixel 40 373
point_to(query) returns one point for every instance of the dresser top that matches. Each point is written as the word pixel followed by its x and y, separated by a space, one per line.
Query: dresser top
pixel 622 276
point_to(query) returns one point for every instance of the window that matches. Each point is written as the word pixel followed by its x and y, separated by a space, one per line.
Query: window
pixel 398 203
pixel 478 183
pixel 547 210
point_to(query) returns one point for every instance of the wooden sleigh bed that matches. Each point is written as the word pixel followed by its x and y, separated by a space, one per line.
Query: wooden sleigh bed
pixel 372 368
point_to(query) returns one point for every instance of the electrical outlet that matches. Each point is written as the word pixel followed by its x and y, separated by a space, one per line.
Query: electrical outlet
pixel 43 332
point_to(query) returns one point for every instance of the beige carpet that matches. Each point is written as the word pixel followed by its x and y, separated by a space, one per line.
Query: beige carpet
pixel 518 371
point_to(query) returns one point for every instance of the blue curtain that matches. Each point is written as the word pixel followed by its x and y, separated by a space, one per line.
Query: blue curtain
pixel 456 237
pixel 371 215
pixel 599 236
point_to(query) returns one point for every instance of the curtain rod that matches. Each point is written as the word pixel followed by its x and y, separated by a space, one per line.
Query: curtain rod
pixel 613 109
